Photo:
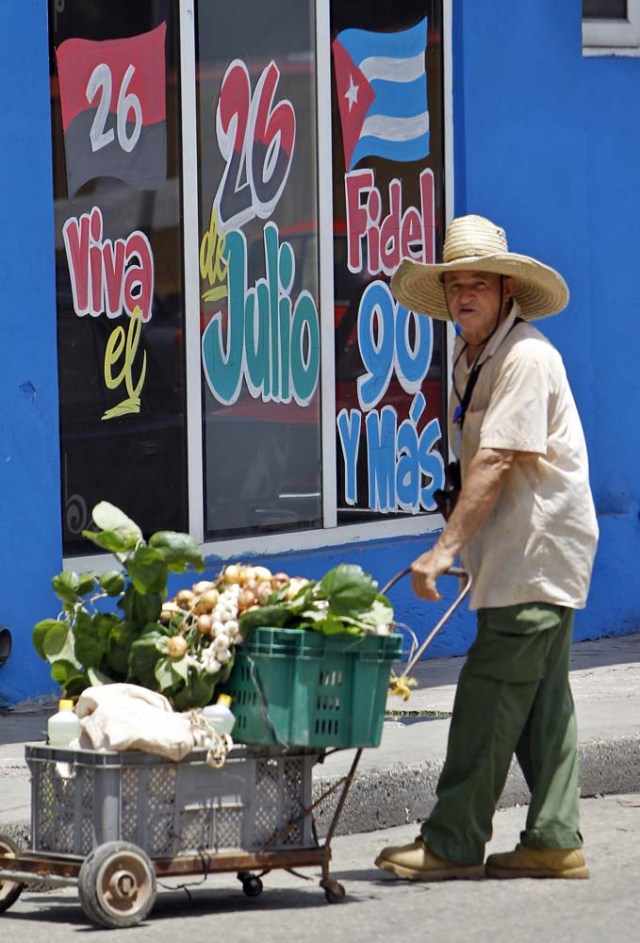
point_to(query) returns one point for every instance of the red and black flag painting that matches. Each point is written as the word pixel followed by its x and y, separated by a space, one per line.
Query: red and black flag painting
pixel 113 105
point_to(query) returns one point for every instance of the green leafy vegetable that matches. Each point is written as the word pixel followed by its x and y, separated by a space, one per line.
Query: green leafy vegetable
pixel 179 551
pixel 118 625
pixel 348 589
pixel 89 645
pixel 346 600
pixel 107 517
pixel 112 582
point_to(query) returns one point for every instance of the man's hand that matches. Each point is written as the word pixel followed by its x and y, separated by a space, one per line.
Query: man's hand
pixel 426 569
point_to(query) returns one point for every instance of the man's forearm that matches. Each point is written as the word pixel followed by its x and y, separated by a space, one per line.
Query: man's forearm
pixel 482 487
pixel 479 495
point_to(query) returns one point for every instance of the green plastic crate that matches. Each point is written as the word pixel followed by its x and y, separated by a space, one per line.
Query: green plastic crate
pixel 297 687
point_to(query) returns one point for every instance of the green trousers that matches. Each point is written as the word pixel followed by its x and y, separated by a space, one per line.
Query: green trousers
pixel 513 697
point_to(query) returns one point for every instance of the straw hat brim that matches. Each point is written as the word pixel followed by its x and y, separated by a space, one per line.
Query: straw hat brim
pixel 539 289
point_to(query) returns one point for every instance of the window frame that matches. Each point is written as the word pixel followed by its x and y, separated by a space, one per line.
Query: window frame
pixel 330 534
pixel 613 37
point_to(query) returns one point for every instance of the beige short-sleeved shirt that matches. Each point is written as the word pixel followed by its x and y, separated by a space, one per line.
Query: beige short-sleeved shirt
pixel 539 541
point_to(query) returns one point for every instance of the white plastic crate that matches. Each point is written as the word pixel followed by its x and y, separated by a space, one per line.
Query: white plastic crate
pixel 83 798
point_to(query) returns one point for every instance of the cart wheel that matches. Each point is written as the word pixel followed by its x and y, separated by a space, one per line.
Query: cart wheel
pixel 252 885
pixel 117 885
pixel 10 891
pixel 333 891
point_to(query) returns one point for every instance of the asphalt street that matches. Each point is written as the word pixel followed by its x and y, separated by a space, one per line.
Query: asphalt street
pixel 378 907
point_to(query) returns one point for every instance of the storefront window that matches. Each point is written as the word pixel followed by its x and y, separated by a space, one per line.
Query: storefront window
pixel 120 308
pixel 188 232
pixel 259 267
pixel 388 193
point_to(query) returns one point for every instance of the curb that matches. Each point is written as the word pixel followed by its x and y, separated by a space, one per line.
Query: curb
pixel 407 793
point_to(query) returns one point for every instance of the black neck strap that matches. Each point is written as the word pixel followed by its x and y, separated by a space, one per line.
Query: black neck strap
pixel 465 399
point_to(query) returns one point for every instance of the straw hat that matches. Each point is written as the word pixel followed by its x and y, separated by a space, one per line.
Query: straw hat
pixel 475 244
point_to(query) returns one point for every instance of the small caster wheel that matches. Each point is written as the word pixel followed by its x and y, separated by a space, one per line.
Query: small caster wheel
pixel 117 885
pixel 9 890
pixel 252 885
pixel 333 891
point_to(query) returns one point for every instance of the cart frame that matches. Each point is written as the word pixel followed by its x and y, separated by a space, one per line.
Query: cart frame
pixel 117 880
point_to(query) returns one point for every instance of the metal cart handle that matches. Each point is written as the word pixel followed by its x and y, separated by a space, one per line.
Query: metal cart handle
pixel 452 571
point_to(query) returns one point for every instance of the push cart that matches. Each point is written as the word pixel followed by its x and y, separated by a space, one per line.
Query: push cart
pixel 113 824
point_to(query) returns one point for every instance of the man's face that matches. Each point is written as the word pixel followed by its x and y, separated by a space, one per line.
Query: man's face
pixel 474 300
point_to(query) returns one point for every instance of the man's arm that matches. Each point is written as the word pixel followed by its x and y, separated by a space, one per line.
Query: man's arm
pixel 479 495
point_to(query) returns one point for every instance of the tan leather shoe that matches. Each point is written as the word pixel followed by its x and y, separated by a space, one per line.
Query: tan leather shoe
pixel 417 863
pixel 537 863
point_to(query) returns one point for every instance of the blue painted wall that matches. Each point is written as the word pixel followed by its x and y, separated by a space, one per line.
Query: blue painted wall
pixel 610 87
pixel 30 538
pixel 545 144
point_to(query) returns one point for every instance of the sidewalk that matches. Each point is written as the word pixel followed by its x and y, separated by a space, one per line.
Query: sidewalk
pixel 395 783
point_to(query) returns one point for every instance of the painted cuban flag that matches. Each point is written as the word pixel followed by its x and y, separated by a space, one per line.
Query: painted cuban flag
pixel 113 106
pixel 381 83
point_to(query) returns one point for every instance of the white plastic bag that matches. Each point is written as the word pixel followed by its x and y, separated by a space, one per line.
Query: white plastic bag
pixel 130 717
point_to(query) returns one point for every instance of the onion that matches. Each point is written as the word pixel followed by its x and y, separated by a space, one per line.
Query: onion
pixel 246 599
pixel 185 598
pixel 279 580
pixel 208 601
pixel 263 593
pixel 261 573
pixel 247 575
pixel 177 647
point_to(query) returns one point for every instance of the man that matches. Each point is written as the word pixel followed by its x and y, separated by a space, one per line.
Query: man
pixel 525 527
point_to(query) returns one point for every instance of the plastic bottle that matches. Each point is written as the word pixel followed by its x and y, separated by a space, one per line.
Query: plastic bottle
pixel 64 726
pixel 220 715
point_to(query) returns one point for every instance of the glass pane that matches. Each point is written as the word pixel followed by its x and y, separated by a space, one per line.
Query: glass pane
pixel 388 160
pixel 604 9
pixel 117 167
pixel 259 266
